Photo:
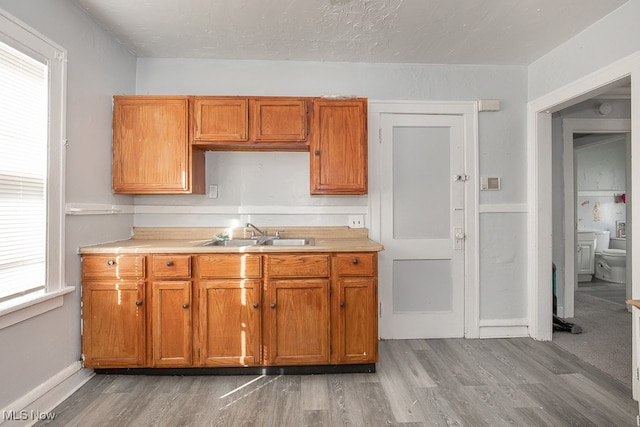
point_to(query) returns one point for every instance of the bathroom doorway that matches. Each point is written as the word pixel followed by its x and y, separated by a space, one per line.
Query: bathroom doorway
pixel 593 169
pixel 598 202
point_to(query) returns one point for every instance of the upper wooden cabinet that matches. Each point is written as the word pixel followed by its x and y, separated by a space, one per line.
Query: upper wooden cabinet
pixel 338 146
pixel 262 123
pixel 151 147
pixel 219 119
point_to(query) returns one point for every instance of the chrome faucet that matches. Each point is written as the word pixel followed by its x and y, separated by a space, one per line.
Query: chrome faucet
pixel 253 227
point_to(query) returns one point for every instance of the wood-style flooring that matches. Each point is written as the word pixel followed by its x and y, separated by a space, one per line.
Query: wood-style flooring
pixel 436 382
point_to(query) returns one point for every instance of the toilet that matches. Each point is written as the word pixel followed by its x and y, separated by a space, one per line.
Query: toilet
pixel 610 258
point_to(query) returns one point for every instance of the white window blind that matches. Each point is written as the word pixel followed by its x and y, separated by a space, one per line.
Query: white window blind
pixel 23 173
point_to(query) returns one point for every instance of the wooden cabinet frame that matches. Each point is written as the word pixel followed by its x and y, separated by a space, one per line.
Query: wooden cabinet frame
pixel 303 309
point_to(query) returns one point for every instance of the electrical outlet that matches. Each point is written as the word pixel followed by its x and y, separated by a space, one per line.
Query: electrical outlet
pixel 356 221
pixel 213 191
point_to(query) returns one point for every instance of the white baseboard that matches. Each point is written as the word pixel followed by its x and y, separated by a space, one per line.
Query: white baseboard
pixel 504 328
pixel 40 402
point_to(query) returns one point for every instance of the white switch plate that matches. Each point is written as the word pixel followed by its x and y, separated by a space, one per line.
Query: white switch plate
pixel 356 221
pixel 213 191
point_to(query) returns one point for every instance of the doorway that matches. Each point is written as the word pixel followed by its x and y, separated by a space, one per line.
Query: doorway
pixel 540 173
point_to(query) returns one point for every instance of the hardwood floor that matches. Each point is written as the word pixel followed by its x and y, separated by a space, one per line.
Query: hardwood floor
pixel 439 382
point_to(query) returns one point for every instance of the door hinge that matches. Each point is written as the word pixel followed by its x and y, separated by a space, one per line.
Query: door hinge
pixel 638 373
pixel 380 310
pixel 462 177
pixel 638 420
pixel 380 135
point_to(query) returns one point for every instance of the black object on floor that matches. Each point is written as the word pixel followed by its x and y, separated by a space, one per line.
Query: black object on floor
pixel 560 325
pixel 564 326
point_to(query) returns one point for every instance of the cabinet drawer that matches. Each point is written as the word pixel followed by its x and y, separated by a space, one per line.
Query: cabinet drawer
pixel 113 266
pixel 230 266
pixel 358 264
pixel 299 265
pixel 170 266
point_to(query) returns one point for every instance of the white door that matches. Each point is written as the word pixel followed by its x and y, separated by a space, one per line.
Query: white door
pixel 422 213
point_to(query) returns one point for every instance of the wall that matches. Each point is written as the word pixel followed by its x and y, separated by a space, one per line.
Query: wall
pixel 608 40
pixel 600 176
pixel 279 181
pixel 37 349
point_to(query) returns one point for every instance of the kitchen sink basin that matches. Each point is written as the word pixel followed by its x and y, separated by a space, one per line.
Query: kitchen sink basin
pixel 290 242
pixel 258 242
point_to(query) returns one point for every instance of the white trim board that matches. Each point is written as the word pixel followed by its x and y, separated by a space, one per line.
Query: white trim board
pixel 105 209
pixel 45 397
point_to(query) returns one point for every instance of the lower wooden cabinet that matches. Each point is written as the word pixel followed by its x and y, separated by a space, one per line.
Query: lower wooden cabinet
pixel 171 323
pixel 114 327
pixel 230 310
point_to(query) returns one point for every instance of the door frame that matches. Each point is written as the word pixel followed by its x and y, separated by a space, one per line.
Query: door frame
pixel 539 157
pixel 469 111
pixel 569 127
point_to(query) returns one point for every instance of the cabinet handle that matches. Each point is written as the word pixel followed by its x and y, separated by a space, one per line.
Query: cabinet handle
pixel 111 262
pixel 341 303
pixel 317 152
pixel 273 305
pixel 138 303
pixel 355 260
pixel 185 305
pixel 169 263
pixel 255 305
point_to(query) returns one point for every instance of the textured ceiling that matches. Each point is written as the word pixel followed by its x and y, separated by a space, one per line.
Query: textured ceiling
pixel 513 32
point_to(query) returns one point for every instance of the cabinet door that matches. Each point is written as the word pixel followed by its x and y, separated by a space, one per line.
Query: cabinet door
pixel 221 119
pixel 356 321
pixel 171 323
pixel 279 120
pixel 586 264
pixel 113 324
pixel 298 312
pixel 230 322
pixel 151 151
pixel 339 147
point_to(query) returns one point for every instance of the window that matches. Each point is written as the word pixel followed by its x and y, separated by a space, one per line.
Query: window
pixel 32 77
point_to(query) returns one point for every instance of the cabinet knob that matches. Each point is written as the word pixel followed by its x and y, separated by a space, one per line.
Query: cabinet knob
pixel 169 263
pixel 185 305
pixel 138 303
pixel 355 260
pixel 341 303
pixel 317 152
pixel 273 305
pixel 255 305
pixel 111 262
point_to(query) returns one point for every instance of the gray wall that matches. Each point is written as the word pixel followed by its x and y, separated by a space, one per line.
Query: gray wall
pixel 36 349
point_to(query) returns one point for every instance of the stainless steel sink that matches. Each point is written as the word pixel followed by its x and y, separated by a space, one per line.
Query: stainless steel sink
pixel 261 242
pixel 290 242
pixel 231 242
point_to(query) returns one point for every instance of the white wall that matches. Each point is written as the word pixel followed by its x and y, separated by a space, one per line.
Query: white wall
pixel 600 176
pixel 260 180
pixel 35 350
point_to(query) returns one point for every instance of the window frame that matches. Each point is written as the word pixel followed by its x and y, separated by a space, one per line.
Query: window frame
pixel 18 35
